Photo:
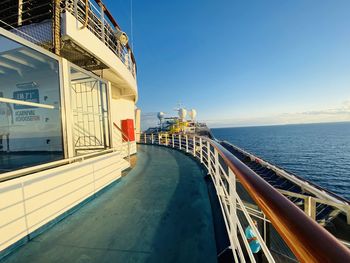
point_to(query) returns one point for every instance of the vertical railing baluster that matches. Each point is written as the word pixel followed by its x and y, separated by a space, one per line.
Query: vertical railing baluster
pixel 233 203
pixel 152 138
pixel 76 10
pixel 194 146
pixel 216 166
pixel 186 143
pixel 201 148
pixel 209 157
pixel 20 11
pixel 310 207
pixel 172 139
pixel 102 22
pixel 265 226
pixel 180 142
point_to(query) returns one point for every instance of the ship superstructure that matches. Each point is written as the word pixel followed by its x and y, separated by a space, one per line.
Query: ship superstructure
pixel 67 110
pixel 180 124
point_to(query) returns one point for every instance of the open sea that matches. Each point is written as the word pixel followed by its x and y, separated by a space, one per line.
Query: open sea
pixel 317 152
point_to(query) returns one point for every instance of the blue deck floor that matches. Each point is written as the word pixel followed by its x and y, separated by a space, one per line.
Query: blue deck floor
pixel 159 212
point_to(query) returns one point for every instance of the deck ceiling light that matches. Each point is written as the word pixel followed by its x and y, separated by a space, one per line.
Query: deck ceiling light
pixel 37 57
pixel 18 60
pixel 9 66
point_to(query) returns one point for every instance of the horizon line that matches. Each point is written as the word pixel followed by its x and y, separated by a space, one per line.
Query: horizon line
pixel 278 124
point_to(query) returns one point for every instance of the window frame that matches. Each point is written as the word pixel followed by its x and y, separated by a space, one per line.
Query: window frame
pixel 106 83
pixel 61 107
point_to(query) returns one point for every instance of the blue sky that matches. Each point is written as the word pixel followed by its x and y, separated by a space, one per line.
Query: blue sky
pixel 241 62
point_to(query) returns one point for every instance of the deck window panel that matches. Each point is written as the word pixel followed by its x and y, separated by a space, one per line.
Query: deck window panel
pixel 30 113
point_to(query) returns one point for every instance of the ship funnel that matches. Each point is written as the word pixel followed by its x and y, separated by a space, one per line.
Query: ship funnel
pixel 193 114
pixel 121 36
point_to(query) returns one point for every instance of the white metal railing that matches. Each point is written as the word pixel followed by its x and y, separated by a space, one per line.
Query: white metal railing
pixel 226 173
pixel 309 186
pixel 101 27
pixel 121 141
pixel 224 180
pixel 309 202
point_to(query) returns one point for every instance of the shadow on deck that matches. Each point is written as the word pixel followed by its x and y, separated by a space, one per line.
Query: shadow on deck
pixel 159 212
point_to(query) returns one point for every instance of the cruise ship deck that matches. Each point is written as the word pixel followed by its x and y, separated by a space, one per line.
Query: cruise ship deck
pixel 159 212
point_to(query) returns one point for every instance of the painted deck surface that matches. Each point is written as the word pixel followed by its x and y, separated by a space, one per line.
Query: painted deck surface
pixel 159 212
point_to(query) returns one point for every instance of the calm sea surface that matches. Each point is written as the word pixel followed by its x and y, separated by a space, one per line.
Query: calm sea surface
pixel 317 152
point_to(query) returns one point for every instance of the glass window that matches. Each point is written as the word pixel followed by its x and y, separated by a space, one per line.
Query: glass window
pixel 90 113
pixel 30 120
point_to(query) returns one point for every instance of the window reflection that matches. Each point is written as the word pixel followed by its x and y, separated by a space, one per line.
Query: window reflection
pixel 30 122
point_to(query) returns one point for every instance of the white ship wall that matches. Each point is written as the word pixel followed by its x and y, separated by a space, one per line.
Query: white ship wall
pixel 29 202
pixel 121 109
pixel 117 72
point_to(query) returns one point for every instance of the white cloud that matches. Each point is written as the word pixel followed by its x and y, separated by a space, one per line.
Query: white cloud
pixel 337 114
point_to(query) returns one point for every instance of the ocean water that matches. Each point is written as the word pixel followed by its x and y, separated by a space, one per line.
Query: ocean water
pixel 317 152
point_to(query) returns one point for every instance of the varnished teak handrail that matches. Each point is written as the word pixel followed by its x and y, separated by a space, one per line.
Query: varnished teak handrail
pixel 309 241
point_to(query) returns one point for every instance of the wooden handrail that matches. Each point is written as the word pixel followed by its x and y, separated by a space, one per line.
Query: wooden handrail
pixel 108 14
pixel 309 241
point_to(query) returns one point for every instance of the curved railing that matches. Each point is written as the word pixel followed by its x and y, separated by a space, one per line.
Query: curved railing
pixel 308 241
pixel 101 23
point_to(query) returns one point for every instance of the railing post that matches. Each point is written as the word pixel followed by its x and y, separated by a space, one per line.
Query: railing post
pixel 159 139
pixel 129 60
pixel 265 229
pixel 194 146
pixel 56 27
pixel 152 139
pixel 233 204
pixel 201 149
pixel 347 213
pixel 129 152
pixel 20 9
pixel 209 156
pixel 76 10
pixel 180 142
pixel 217 169
pixel 134 69
pixel 166 139
pixel 102 22
pixel 186 143
pixel 172 138
pixel 145 137
pixel 310 207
